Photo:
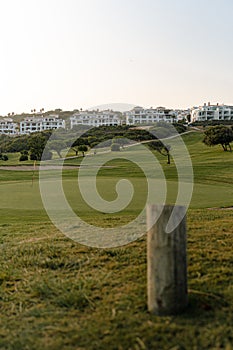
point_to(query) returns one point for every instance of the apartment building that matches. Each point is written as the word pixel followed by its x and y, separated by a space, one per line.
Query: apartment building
pixel 7 126
pixel 212 112
pixel 40 123
pixel 139 115
pixel 96 118
pixel 183 115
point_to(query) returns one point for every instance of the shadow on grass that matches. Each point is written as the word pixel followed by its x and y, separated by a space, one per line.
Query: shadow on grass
pixel 203 304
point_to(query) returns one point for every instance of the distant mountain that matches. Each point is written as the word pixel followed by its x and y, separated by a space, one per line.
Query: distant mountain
pixel 121 107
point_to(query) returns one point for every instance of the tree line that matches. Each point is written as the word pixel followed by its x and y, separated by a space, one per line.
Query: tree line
pixel 81 138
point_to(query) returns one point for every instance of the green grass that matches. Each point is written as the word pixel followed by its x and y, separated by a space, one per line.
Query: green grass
pixel 57 294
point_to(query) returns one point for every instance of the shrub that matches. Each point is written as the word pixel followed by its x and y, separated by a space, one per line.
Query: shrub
pixel 180 127
pixel 4 157
pixel 115 147
pixel 47 155
pixel 33 156
pixel 23 157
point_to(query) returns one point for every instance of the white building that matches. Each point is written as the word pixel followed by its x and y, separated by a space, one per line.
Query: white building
pixel 96 118
pixel 40 123
pixel 7 126
pixel 183 114
pixel 211 112
pixel 139 115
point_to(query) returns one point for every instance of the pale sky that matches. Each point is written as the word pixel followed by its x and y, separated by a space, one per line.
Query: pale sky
pixel 81 53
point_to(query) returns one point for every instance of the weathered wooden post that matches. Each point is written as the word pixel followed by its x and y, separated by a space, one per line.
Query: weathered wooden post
pixel 166 260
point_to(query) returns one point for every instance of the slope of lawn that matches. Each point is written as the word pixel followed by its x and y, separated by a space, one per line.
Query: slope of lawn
pixel 58 294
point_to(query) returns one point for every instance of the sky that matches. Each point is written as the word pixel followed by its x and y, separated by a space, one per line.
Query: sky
pixel 72 54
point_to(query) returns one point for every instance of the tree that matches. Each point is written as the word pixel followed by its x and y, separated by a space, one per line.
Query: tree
pixel 161 148
pixel 75 149
pixel 4 139
pixel 57 146
pixel 75 146
pixel 122 141
pixel 219 135
pixel 37 144
pixel 17 144
pixel 79 142
pixel 83 149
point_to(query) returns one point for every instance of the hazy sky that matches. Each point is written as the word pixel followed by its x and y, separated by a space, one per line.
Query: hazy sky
pixel 81 53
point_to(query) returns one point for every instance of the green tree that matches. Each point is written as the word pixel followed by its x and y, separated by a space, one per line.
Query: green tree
pixel 57 146
pixel 77 143
pixel 17 144
pixel 4 140
pixel 37 144
pixel 122 141
pixel 162 149
pixel 75 149
pixel 219 135
pixel 83 149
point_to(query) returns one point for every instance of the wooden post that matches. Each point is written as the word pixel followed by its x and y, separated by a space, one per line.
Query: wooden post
pixel 166 261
